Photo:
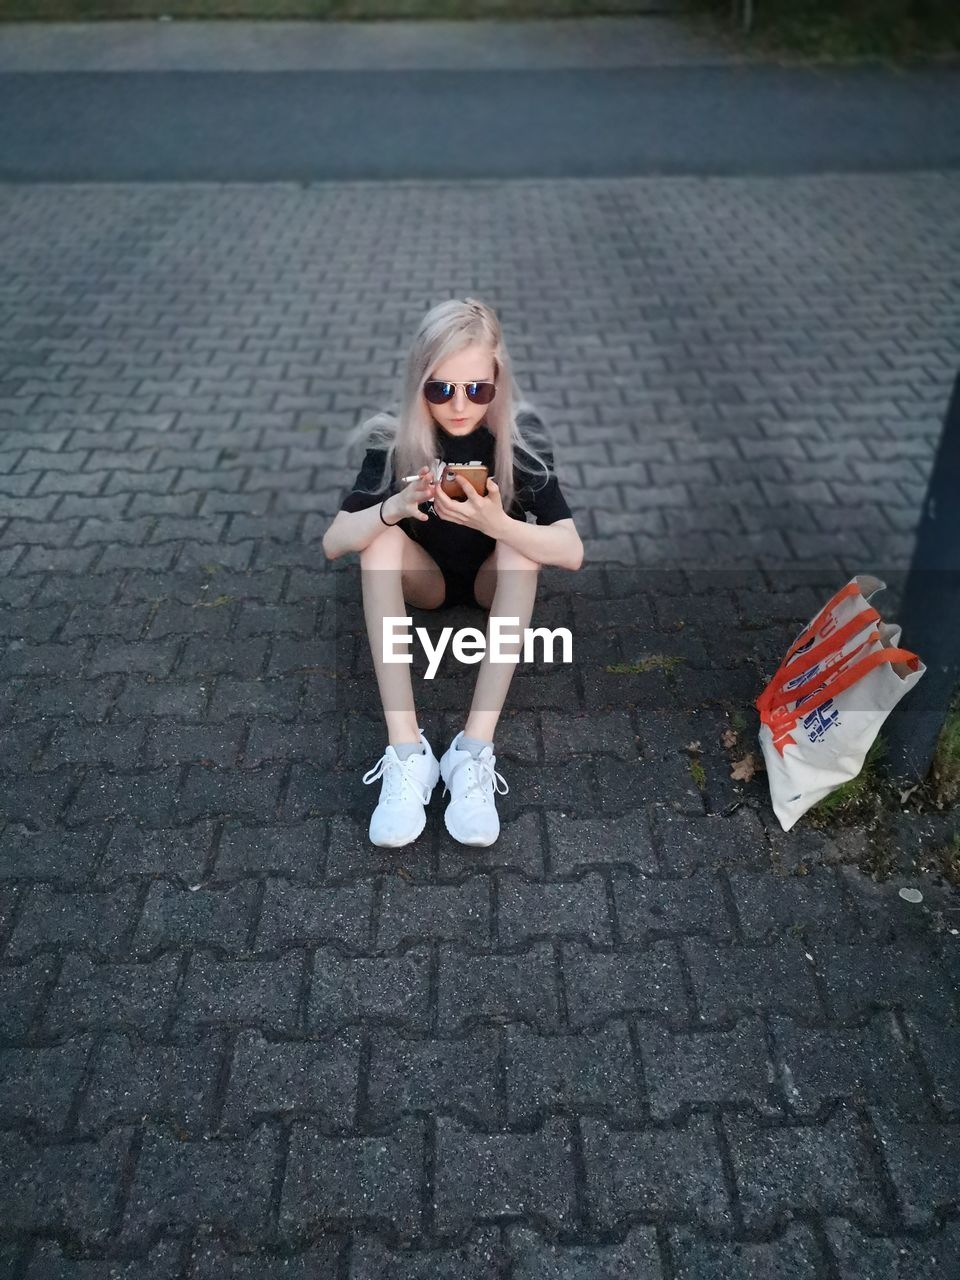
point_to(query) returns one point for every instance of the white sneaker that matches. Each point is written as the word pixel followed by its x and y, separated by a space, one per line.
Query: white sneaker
pixel 407 786
pixel 471 816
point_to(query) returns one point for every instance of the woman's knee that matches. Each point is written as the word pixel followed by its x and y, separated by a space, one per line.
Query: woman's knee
pixel 386 549
pixel 507 557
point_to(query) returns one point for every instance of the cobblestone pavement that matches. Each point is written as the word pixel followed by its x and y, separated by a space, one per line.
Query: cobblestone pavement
pixel 646 1033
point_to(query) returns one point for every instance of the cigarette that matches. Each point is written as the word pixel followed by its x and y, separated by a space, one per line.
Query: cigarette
pixel 432 479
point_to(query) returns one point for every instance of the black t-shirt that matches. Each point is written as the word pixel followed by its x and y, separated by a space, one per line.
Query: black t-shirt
pixel 458 546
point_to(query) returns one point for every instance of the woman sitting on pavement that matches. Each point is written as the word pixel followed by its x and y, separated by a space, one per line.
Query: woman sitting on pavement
pixel 459 404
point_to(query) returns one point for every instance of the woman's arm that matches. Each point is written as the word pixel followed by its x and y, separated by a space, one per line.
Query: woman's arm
pixel 557 543
pixel 355 530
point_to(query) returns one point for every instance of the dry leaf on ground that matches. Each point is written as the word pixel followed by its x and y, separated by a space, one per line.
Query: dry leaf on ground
pixel 743 770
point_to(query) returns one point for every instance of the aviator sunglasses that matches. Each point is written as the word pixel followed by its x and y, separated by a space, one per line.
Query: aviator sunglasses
pixel 440 392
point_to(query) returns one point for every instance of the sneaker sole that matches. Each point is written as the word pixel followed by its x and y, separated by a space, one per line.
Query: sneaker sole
pixel 478 842
pixel 399 844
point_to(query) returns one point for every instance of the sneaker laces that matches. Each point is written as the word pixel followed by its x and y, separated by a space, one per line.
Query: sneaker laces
pixel 398 780
pixel 482 779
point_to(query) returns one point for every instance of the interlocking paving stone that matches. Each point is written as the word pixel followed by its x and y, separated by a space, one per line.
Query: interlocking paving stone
pixel 794 1256
pixel 579 1073
pixel 288 1077
pixel 651 907
pixel 820 1169
pixel 577 908
pixel 674 1172
pixel 68 1186
pixel 924 1163
pixel 391 988
pixel 479 1176
pixel 478 1258
pixel 938 1047
pixel 216 1181
pixel 458 1076
pixel 899 1258
pixel 351 1180
pixel 264 993
pixel 683 1069
pixel 860 978
pixel 292 914
pixel 162 1262
pixel 532 1256
pixel 646 1032
pixel 728 980
pixel 501 988
pixel 218 919
pixel 611 984
pixel 810 905
pixel 448 913
pixel 130 1080
pixel 37 1085
pixel 581 842
pixel 871 1062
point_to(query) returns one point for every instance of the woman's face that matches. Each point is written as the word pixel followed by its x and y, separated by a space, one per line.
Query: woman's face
pixel 459 416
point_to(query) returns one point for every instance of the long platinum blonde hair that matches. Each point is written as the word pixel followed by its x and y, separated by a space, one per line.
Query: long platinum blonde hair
pixel 410 435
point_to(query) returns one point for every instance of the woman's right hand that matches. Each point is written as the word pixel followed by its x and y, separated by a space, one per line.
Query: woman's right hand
pixel 405 501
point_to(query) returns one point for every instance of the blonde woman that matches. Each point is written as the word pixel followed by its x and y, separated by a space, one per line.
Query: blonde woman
pixel 459 403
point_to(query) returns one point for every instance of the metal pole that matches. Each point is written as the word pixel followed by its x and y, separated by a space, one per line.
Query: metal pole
pixel 742 14
pixel 930 614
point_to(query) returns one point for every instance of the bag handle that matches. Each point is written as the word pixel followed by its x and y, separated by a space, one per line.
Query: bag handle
pixel 787 669
pixel 828 679
pixel 851 589
pixel 780 717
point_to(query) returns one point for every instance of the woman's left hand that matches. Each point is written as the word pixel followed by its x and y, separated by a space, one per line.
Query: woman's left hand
pixel 486 514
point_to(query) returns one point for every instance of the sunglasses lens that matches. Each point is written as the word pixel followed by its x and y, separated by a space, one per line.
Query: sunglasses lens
pixel 481 392
pixel 438 392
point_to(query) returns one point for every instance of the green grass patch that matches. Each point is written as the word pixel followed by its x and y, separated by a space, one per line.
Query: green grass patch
pixel 862 798
pixel 330 10
pixel 945 771
pixel 653 662
pixel 950 861
pixel 844 29
pixel 944 860
pixel 215 603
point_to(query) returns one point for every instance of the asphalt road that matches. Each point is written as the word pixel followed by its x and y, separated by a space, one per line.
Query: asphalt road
pixel 314 126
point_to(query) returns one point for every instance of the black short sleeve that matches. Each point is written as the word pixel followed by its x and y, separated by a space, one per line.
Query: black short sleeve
pixel 368 477
pixel 536 492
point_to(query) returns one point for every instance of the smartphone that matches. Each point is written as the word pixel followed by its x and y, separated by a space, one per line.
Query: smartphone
pixel 474 473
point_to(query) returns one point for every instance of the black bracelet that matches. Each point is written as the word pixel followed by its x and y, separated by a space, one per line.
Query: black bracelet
pixel 387 522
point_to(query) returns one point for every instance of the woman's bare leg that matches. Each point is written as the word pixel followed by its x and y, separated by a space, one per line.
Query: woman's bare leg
pixel 513 597
pixel 394 569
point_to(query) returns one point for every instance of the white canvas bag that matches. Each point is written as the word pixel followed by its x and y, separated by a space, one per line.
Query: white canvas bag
pixel 821 712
